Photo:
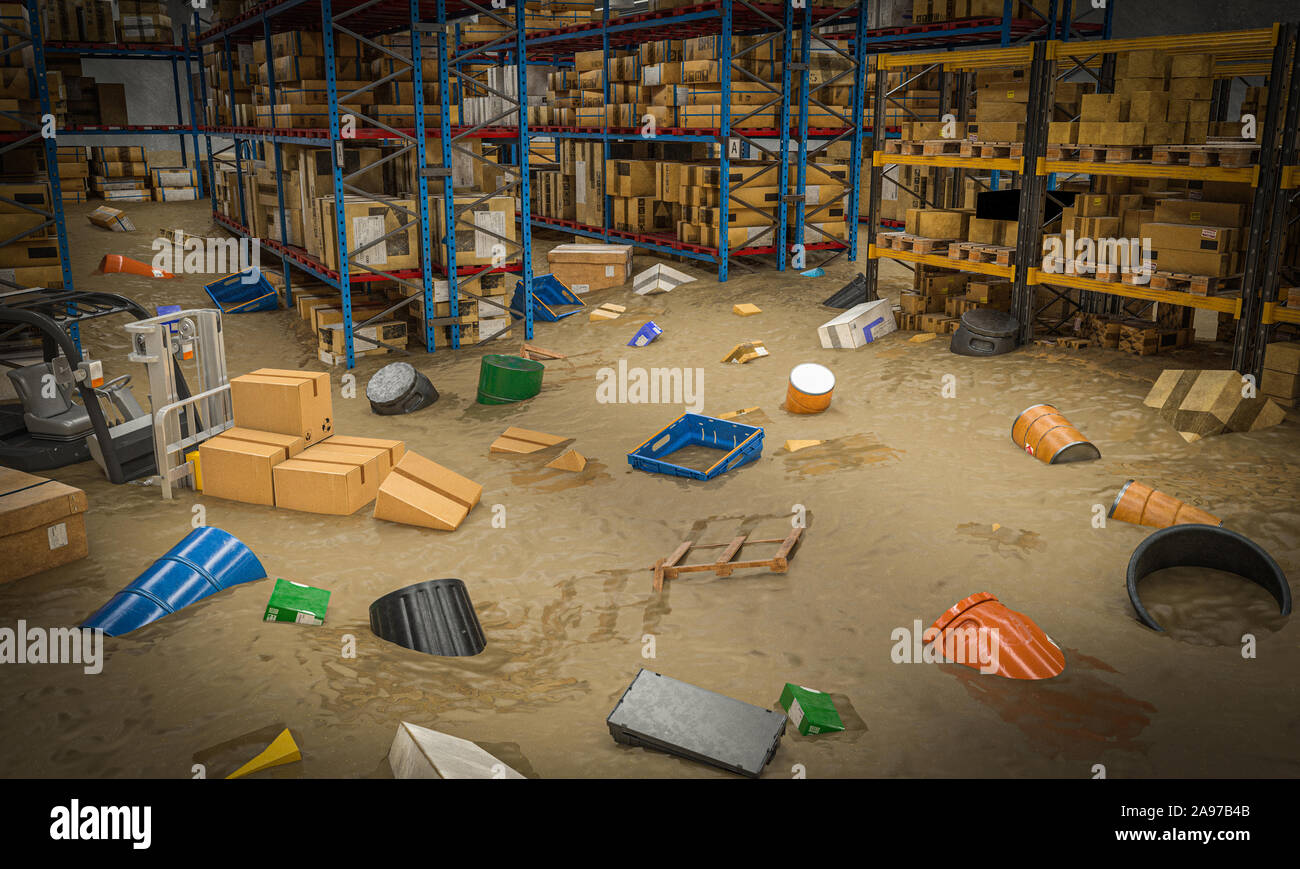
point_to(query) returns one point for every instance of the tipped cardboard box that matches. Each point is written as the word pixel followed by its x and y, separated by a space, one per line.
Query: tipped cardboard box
pixel 569 460
pixel 287 402
pixel 745 309
pixel 521 441
pixel 238 463
pixel 369 460
pixel 858 326
pixel 424 493
pixel 42 524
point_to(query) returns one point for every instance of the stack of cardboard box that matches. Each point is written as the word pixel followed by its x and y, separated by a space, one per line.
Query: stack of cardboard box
pixel 32 261
pixel 120 172
pixel 174 183
pixel 1281 380
pixel 1159 99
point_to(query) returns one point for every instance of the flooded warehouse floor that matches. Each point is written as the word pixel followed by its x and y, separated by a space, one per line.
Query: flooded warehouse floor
pixel 917 499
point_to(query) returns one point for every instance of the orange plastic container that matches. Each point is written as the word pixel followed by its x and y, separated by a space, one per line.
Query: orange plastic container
pixel 115 263
pixel 810 389
pixel 1143 505
pixel 981 631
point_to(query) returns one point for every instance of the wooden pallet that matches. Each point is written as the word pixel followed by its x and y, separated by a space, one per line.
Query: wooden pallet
pixel 1197 285
pixel 917 244
pixel 925 147
pixel 669 568
pixel 1233 155
pixel 1100 153
pixel 1003 150
pixel 982 253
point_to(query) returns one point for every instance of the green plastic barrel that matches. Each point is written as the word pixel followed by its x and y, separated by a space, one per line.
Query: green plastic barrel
pixel 507 379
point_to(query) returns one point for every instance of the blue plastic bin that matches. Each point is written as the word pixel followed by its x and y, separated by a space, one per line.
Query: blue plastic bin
pixel 549 293
pixel 741 444
pixel 207 561
pixel 233 296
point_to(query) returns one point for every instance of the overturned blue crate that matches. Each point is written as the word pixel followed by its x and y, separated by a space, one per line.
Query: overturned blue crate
pixel 233 294
pixel 741 444
pixel 549 293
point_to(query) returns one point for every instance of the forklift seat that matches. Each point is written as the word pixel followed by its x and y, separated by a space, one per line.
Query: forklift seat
pixel 48 417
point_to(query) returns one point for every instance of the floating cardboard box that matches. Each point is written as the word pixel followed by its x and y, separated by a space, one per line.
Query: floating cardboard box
pixel 521 440
pixel 859 325
pixel 732 414
pixel 371 461
pixel 238 464
pixel 390 452
pixel 586 267
pixel 1203 403
pixel 659 279
pixel 569 460
pixel 42 524
pixel 287 402
pixel 810 711
pixel 424 493
pixel 111 218
pixel 316 485
pixel 295 602
pixel 605 312
pixel 745 309
pixel 421 753
pixel 746 352
pixel 795 446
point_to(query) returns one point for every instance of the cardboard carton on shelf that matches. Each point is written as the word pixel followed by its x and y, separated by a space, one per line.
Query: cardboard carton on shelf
pixel 586 267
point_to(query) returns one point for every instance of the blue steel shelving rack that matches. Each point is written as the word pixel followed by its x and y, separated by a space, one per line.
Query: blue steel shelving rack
pixel 421 18
pixel 33 37
pixel 723 19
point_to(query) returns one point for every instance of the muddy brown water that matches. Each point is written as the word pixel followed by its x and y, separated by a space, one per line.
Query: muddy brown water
pixel 914 502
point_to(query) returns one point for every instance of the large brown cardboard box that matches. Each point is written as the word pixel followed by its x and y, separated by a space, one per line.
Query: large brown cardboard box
pixel 422 492
pixel 586 267
pixel 1184 236
pixel 42 524
pixel 482 228
pixel 337 488
pixel 287 402
pixel 367 220
pixel 236 465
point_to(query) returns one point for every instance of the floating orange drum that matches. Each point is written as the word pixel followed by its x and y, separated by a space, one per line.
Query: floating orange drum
pixel 1143 505
pixel 1044 433
pixel 810 388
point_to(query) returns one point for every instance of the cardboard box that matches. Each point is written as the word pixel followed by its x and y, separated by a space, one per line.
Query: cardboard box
pixel 810 711
pixel 390 452
pixel 366 220
pixel 1283 356
pixel 295 602
pixel 422 492
pixel 1200 212
pixel 42 524
pixel 1182 236
pixel 481 228
pixel 858 326
pixel 333 487
pixel 237 463
pixel 586 267
pixel 287 402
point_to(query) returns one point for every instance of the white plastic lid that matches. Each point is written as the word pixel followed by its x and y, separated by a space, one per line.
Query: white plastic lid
pixel 812 379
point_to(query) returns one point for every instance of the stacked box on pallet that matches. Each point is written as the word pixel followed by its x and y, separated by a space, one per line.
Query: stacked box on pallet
pixel 298 63
pixel 74 172
pixel 144 21
pixel 120 173
pixel 1281 380
pixel 1159 99
pixel 174 183
pixel 32 261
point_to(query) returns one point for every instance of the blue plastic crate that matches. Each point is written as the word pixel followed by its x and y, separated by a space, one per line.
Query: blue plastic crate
pixel 740 444
pixel 233 296
pixel 549 293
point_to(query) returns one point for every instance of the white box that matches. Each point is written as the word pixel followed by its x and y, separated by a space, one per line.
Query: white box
pixel 858 326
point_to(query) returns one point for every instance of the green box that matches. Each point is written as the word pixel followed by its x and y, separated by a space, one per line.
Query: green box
pixel 810 711
pixel 294 602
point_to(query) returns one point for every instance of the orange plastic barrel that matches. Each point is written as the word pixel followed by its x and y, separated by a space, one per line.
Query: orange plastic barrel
pixel 1043 432
pixel 810 389
pixel 981 632
pixel 1143 505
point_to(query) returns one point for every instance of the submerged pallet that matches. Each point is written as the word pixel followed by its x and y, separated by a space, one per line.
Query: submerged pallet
pixel 668 568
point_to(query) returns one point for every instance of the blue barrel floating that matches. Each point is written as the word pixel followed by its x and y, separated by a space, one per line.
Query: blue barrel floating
pixel 207 561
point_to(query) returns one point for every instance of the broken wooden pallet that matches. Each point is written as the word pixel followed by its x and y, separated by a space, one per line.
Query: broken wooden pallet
pixel 669 568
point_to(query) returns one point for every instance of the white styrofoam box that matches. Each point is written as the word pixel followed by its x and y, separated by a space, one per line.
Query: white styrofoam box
pixel 858 326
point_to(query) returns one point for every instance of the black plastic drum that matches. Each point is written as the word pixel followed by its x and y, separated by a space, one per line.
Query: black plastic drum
pixel 985 332
pixel 399 388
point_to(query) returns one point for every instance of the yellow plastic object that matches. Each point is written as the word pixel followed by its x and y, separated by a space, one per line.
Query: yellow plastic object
pixel 193 459
pixel 282 750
